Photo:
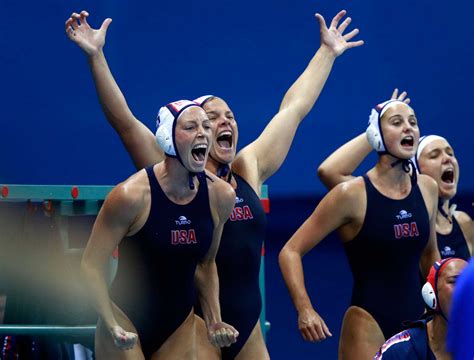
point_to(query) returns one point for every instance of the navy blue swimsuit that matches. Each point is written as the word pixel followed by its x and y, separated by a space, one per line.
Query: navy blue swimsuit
pixel 238 264
pixel 154 284
pixel 453 244
pixel 384 258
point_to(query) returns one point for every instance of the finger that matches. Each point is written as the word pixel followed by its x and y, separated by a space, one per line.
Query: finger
pixel 394 94
pixel 402 96
pixel 407 101
pixel 105 25
pixel 344 25
pixel 305 334
pixel 322 22
pixel 83 18
pixel 319 332
pixel 338 18
pixel 350 35
pixel 326 329
pixel 354 44
pixel 76 17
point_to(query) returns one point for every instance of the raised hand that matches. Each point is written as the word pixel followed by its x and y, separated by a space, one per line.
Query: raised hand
pixel 312 326
pixel 124 340
pixel 221 334
pixel 79 31
pixel 333 37
pixel 402 97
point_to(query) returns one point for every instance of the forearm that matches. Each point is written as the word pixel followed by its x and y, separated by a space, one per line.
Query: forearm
pixel 302 95
pixel 292 269
pixel 341 164
pixel 113 102
pixel 207 284
pixel 98 291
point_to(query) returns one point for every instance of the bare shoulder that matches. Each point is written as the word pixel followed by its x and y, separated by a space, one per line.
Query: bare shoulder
pixel 220 191
pixel 350 190
pixel 129 195
pixel 463 218
pixel 427 183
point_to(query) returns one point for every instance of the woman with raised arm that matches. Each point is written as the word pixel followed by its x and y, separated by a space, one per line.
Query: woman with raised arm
pixel 434 157
pixel 379 216
pixel 167 219
pixel 238 259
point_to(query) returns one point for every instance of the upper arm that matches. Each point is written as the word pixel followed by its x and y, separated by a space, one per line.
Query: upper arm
pixel 222 201
pixel 267 153
pixel 113 223
pixel 327 217
pixel 340 165
pixel 141 145
pixel 430 254
pixel 467 226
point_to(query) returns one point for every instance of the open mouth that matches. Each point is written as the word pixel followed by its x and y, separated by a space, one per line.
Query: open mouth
pixel 407 141
pixel 224 140
pixel 199 152
pixel 448 176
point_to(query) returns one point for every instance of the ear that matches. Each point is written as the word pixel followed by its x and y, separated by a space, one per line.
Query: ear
pixel 429 296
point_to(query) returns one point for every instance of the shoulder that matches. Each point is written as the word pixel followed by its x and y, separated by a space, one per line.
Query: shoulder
pixel 427 184
pixel 351 190
pixel 463 218
pixel 221 193
pixel 129 197
pixel 397 347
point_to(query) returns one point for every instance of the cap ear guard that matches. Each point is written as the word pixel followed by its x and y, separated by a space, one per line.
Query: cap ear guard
pixel 374 137
pixel 429 296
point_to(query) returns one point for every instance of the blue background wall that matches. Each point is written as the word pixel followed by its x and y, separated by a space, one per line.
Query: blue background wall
pixel 248 52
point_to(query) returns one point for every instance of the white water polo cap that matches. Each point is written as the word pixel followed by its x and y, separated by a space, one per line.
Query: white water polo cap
pixel 166 125
pixel 374 132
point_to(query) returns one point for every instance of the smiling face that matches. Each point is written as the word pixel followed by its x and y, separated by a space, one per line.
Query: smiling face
pixel 224 129
pixel 193 136
pixel 400 130
pixel 438 161
pixel 446 283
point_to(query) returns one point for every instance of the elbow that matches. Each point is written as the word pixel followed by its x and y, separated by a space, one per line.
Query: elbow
pixel 324 175
pixel 284 257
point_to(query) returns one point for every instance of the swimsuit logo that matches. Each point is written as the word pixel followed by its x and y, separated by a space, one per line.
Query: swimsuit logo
pixel 183 237
pixel 403 215
pixel 406 230
pixel 447 251
pixel 238 200
pixel 241 213
pixel 182 221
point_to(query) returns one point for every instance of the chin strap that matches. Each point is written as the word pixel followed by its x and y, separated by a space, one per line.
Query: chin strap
pixel 446 215
pixel 407 166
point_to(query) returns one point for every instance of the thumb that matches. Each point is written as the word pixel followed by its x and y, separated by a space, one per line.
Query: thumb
pixel 105 24
pixel 322 22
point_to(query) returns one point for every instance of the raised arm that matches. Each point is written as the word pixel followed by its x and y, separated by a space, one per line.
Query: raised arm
pixel 112 224
pixel 206 279
pixel 137 138
pixel 270 149
pixel 341 164
pixel 326 218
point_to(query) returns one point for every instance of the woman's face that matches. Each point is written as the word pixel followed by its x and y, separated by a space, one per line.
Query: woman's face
pixel 193 136
pixel 438 161
pixel 446 283
pixel 224 129
pixel 400 130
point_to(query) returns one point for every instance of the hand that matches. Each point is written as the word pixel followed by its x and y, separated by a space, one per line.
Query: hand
pixel 221 334
pixel 90 40
pixel 401 97
pixel 312 326
pixel 124 340
pixel 333 38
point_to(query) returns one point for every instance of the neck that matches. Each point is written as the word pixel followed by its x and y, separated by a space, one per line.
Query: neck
pixel 174 178
pixel 213 165
pixel 437 329
pixel 393 176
